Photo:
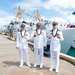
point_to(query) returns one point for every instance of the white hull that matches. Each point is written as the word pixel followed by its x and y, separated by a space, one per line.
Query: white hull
pixel 69 36
pixel 73 45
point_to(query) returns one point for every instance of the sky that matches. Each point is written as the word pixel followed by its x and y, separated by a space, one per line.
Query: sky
pixel 52 10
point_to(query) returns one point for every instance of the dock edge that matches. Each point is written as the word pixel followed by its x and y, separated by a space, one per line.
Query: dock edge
pixel 63 56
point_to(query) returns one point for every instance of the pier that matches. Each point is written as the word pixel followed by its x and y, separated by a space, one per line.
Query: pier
pixel 9 62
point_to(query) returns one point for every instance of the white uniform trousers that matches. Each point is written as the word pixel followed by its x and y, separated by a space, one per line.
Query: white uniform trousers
pixel 54 59
pixel 24 52
pixel 38 51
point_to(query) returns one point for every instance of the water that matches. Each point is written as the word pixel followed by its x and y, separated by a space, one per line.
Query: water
pixel 71 52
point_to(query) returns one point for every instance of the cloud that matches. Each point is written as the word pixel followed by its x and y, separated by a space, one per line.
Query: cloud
pixel 61 7
pixel 30 4
pixel 48 4
pixel 5 18
pixel 60 4
pixel 3 13
pixel 71 19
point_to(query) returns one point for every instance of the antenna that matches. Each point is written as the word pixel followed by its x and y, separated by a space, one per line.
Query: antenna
pixel 19 13
pixel 37 15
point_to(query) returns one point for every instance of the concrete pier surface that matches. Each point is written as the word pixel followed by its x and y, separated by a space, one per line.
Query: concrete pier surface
pixel 9 62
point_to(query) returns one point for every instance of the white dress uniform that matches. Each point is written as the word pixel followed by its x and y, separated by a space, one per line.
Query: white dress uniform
pixel 30 30
pixel 39 43
pixel 55 48
pixel 22 44
pixel 10 28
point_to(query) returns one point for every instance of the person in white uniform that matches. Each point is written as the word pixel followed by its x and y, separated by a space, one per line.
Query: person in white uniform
pixel 55 36
pixel 10 28
pixel 22 45
pixel 40 40
pixel 30 29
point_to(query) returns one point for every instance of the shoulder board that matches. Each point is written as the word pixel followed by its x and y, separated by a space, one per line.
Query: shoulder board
pixel 58 30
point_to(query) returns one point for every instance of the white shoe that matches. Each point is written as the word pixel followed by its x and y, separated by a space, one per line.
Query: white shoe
pixel 21 65
pixel 29 65
pixel 50 69
pixel 41 66
pixel 35 65
pixel 56 71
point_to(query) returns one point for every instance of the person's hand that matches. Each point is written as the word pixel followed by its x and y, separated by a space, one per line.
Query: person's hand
pixel 50 36
pixel 17 47
pixel 35 34
pixel 58 36
pixel 44 46
pixel 25 37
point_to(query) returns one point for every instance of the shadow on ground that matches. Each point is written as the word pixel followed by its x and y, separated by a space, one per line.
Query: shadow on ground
pixel 10 63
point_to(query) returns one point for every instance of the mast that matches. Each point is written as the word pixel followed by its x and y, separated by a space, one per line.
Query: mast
pixel 36 16
pixel 19 14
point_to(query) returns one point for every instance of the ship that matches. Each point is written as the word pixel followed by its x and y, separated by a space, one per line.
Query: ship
pixel 68 33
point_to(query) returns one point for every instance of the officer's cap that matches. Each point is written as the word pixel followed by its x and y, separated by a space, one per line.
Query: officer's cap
pixel 23 25
pixel 38 24
pixel 54 23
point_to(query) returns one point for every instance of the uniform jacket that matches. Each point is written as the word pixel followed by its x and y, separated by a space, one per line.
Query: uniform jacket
pixel 22 43
pixel 40 40
pixel 54 41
